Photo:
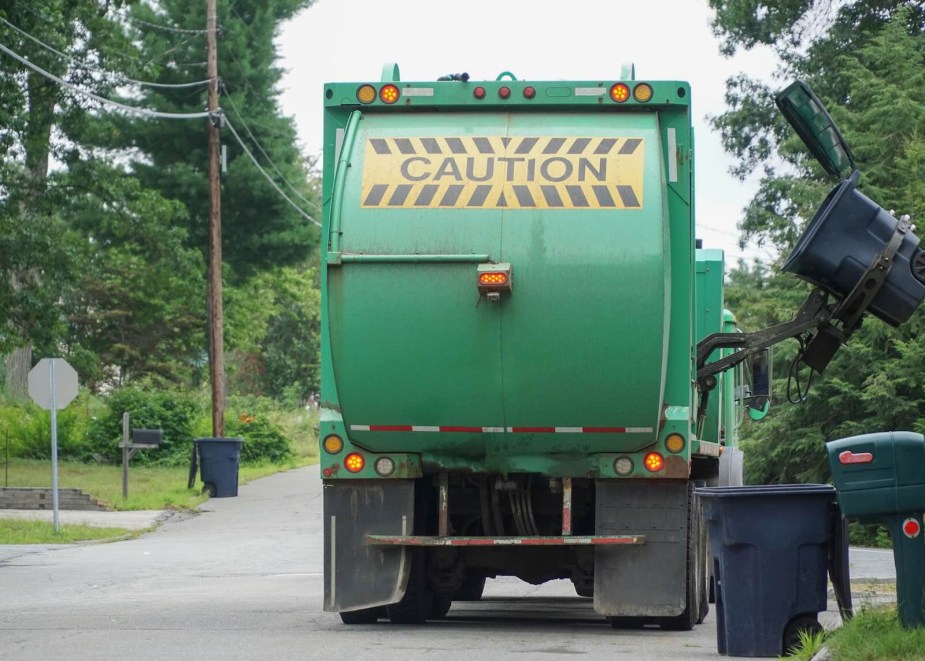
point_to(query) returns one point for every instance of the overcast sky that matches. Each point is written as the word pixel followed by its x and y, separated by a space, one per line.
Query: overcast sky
pixel 350 40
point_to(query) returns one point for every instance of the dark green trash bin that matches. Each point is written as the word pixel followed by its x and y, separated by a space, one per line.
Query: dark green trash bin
pixel 880 478
pixel 219 459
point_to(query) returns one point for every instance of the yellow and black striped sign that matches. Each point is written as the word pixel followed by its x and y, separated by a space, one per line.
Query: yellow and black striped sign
pixel 503 172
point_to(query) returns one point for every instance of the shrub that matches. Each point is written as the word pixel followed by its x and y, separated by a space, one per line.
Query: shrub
pixel 172 411
pixel 263 440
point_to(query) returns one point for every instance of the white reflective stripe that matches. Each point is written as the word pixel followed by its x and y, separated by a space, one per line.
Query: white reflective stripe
pixel 672 155
pixel 590 91
pixel 359 427
pixel 493 430
pixel 509 430
pixel 638 430
pixel 422 428
pixel 569 430
pixel 417 91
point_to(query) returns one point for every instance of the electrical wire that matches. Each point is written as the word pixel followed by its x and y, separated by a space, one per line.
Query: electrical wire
pixel 267 175
pixel 132 109
pixel 93 67
pixel 267 156
pixel 166 28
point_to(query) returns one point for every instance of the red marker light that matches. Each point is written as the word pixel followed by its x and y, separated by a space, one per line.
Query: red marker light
pixel 911 528
pixel 479 92
pixel 389 94
pixel 354 462
pixel 654 462
pixel 619 92
pixel 529 92
pixel 504 92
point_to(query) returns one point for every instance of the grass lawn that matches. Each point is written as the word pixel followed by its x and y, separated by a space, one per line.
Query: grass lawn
pixel 875 633
pixel 149 487
pixel 21 531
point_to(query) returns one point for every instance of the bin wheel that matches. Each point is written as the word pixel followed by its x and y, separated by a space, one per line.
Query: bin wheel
pixel 209 489
pixel 362 616
pixel 808 624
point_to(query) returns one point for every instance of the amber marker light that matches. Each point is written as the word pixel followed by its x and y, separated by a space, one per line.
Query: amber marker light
pixel 642 92
pixel 366 94
pixel 333 444
pixel 389 94
pixel 654 462
pixel 619 92
pixel 674 443
pixel 354 462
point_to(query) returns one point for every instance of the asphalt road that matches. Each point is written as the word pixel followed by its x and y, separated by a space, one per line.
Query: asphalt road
pixel 243 580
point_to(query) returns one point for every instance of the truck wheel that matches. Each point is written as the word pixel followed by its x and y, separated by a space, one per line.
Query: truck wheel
pixel 440 606
pixel 627 622
pixel 696 587
pixel 362 616
pixel 471 589
pixel 417 604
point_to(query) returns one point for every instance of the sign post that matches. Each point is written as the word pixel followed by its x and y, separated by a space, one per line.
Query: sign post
pixel 53 385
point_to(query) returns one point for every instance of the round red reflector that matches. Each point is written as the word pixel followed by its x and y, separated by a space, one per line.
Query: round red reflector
pixel 654 462
pixel 354 462
pixel 911 528
pixel 619 92
pixel 479 92
pixel 504 92
pixel 389 94
pixel 529 92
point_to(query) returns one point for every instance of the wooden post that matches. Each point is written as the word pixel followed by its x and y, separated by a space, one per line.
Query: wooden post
pixel 216 320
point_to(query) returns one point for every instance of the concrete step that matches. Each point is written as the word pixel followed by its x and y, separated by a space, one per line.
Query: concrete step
pixel 37 498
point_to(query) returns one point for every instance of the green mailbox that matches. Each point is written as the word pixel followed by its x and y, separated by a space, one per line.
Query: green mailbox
pixel 880 478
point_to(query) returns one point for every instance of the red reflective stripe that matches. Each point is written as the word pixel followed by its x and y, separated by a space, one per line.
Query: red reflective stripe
pixel 533 430
pixel 462 429
pixel 390 428
pixel 604 430
pixel 848 457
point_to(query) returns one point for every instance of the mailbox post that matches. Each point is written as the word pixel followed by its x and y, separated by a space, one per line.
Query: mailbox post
pixel 880 478
pixel 141 439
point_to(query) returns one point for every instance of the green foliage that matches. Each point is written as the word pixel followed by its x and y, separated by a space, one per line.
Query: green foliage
pixel 263 440
pixel 27 429
pixel 810 644
pixel 875 633
pixel 172 411
pixel 24 531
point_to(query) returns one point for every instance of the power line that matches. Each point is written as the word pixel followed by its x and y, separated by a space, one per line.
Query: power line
pixel 166 28
pixel 267 156
pixel 267 175
pixel 99 69
pixel 132 109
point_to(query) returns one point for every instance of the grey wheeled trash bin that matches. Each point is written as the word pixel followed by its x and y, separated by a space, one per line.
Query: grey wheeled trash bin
pixel 219 459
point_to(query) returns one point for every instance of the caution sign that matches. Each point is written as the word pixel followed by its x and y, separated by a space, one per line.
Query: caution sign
pixel 493 172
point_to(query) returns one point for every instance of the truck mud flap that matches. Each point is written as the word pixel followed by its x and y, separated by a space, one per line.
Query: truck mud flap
pixel 647 580
pixel 358 575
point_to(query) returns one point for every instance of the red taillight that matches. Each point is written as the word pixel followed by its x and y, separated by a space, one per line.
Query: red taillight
pixel 493 278
pixel 504 92
pixel 654 462
pixel 354 462
pixel 389 94
pixel 529 92
pixel 479 92
pixel 619 92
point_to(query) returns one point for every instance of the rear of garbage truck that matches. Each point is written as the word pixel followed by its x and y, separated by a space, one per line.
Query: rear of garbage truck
pixel 509 319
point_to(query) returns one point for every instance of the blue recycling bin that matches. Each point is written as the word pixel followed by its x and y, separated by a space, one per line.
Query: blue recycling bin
pixel 219 459
pixel 772 549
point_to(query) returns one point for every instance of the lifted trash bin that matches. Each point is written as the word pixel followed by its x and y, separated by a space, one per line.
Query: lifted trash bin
pixel 219 459
pixel 772 547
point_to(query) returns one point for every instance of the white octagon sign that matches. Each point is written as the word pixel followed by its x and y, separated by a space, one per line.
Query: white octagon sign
pixel 65 383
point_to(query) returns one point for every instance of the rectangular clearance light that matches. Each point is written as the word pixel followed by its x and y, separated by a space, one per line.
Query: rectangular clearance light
pixel 493 277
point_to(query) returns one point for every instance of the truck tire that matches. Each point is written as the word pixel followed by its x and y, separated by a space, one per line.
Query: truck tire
pixel 440 605
pixel 416 606
pixel 696 608
pixel 471 589
pixel 362 616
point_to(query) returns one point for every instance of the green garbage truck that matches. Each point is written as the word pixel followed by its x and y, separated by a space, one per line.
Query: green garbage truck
pixel 526 363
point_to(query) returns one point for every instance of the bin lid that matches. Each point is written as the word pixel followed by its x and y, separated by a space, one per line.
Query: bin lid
pixel 765 490
pixel 809 118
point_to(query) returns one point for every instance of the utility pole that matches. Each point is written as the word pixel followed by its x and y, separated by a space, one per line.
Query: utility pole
pixel 216 320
